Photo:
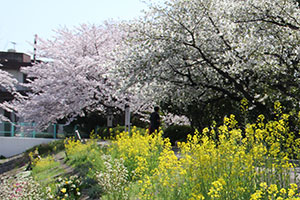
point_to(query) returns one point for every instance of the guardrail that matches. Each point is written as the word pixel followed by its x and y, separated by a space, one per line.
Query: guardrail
pixel 22 129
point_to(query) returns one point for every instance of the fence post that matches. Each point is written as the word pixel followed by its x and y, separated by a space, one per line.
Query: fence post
pixel 54 131
pixel 34 130
pixel 12 129
pixel 22 129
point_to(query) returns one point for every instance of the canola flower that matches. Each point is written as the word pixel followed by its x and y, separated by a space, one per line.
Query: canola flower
pixel 223 162
pixel 272 192
pixel 139 151
pixel 43 164
pixel 255 166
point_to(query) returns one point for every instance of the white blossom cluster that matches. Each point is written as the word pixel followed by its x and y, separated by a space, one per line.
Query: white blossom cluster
pixel 201 50
pixel 171 119
pixel 7 81
pixel 114 178
pixel 20 187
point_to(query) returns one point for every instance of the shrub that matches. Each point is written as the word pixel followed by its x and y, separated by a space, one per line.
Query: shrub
pixel 113 132
pixel 67 188
pixel 44 164
pixel 178 133
pixel 104 132
pixel 49 148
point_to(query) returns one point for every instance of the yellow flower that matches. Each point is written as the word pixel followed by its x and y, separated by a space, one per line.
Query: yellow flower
pixel 257 195
pixel 64 190
pixel 263 185
pixel 291 193
pixel 205 130
pixel 292 190
pixel 283 191
pixel 273 189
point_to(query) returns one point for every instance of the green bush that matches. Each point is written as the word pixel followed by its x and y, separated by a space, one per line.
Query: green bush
pixel 44 135
pixel 113 132
pixel 48 148
pixel 104 132
pixel 178 132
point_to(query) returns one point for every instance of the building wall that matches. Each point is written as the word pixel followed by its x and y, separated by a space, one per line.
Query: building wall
pixel 17 75
pixel 11 62
pixel 1 124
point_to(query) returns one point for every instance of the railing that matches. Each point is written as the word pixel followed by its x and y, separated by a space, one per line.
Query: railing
pixel 22 129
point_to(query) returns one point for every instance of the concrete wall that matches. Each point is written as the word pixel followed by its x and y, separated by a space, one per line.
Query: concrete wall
pixel 10 146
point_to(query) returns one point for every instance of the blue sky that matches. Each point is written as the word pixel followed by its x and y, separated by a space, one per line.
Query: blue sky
pixel 22 19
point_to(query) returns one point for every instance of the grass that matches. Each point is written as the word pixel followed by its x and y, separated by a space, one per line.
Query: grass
pixel 49 148
pixel 46 171
pixel 143 166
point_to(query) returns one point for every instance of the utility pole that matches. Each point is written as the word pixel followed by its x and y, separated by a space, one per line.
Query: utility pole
pixel 34 48
pixel 127 118
pixel 14 45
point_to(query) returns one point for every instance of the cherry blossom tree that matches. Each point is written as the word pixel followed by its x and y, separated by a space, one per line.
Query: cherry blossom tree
pixel 197 58
pixel 74 76
pixel 214 53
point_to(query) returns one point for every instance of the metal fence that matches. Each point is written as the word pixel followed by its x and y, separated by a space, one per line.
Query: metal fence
pixel 22 129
